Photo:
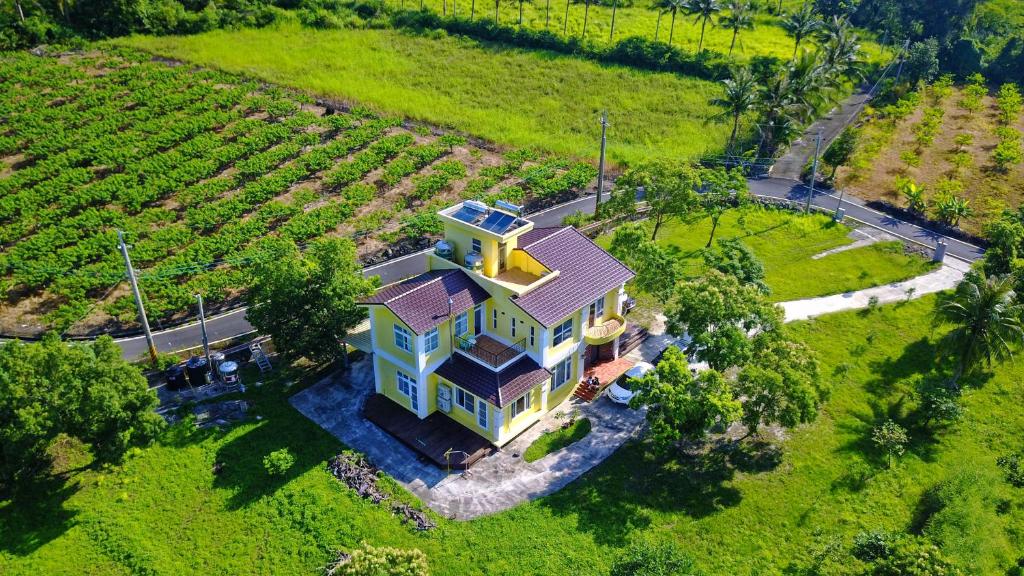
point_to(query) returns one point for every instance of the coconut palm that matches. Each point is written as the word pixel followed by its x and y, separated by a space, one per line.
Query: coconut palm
pixel 801 25
pixel 496 5
pixel 703 10
pixel 565 21
pixel 586 14
pixel 740 17
pixel 780 109
pixel 739 98
pixel 986 320
pixel 841 53
pixel 672 6
pixel 660 6
pixel 611 33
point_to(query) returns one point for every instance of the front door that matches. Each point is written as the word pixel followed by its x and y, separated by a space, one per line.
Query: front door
pixel 478 320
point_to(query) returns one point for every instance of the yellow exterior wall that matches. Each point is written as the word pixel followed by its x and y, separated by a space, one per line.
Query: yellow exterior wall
pixel 520 259
pixel 519 423
pixel 389 383
pixel 384 335
pixel 469 420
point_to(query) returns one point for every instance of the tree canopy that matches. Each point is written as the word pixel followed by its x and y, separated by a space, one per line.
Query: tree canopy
pixel 86 391
pixel 780 385
pixel 733 257
pixel 307 302
pixel 670 189
pixel 657 272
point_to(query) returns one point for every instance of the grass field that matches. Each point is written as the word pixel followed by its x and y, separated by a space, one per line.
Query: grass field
pixel 785 243
pixel 758 511
pixel 556 440
pixel 886 141
pixel 507 95
pixel 196 166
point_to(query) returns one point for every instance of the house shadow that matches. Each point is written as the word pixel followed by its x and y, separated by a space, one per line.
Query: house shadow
pixel 35 514
pixel 617 496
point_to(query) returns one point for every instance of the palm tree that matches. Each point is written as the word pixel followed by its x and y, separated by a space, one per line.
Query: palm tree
pixel 986 319
pixel 780 110
pixel 547 14
pixel 703 10
pixel 842 52
pixel 740 17
pixel 801 24
pixel 496 4
pixel 520 13
pixel 615 7
pixel 673 6
pixel 565 21
pixel 662 6
pixel 739 98
pixel 586 14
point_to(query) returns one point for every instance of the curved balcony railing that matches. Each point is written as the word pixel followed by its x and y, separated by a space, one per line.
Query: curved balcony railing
pixel 488 350
pixel 606 331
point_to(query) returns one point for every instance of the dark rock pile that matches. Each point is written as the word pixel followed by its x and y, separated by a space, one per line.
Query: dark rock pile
pixel 355 472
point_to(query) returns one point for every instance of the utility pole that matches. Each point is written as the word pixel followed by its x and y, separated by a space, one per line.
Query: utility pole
pixel 903 58
pixel 206 340
pixel 814 174
pixel 138 296
pixel 600 163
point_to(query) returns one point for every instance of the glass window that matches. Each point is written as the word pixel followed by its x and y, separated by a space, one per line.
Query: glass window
pixel 599 308
pixel 522 404
pixel 563 332
pixel 563 371
pixel 406 385
pixel 476 246
pixel 481 413
pixel 403 339
pixel 494 318
pixel 512 323
pixel 532 336
pixel 431 341
pixel 462 324
pixel 465 400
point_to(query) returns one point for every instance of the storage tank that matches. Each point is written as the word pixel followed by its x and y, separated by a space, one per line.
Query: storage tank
pixel 474 261
pixel 444 250
pixel 228 372
pixel 198 371
pixel 176 378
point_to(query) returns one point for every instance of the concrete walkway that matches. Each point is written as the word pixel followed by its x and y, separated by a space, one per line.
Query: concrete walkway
pixel 944 278
pixel 493 484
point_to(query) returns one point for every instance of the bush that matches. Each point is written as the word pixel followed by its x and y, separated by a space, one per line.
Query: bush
pixel 872 545
pixel 371 561
pixel 278 462
pixel 646 559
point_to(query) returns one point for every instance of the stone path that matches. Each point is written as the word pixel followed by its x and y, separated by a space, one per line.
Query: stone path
pixel 495 483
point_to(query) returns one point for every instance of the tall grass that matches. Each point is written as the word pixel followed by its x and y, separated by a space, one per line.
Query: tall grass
pixel 507 95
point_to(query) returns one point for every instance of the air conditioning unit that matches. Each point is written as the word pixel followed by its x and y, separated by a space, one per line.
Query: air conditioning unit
pixel 444 398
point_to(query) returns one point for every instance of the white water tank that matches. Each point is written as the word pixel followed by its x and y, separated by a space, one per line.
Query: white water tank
pixel 474 261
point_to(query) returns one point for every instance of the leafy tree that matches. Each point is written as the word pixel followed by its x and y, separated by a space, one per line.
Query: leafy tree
pixel 1007 153
pixel 656 270
pixel 1006 241
pixel 86 391
pixel 781 384
pixel 963 140
pixel 938 402
pixel 740 17
pixel 644 559
pixel 839 152
pixel 681 406
pixel 704 10
pixel 1010 103
pixel 891 438
pixel 381 561
pixel 736 259
pixel 721 190
pixel 718 312
pixel 739 98
pixel 307 302
pixel 986 322
pixel 801 25
pixel 922 61
pixel 669 189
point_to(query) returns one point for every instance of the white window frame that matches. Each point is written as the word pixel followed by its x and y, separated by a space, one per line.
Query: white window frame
pixel 462 324
pixel 410 384
pixel 562 373
pixel 512 326
pixel 562 332
pixel 494 318
pixel 481 413
pixel 401 334
pixel 599 308
pixel 465 396
pixel 431 340
pixel 514 409
pixel 478 246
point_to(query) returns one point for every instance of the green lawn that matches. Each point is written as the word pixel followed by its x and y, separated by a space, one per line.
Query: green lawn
pixel 506 95
pixel 556 440
pixel 755 512
pixel 785 243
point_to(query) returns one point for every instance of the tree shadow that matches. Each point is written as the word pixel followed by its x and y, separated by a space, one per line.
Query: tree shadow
pixel 615 498
pixel 755 457
pixel 35 514
pixel 915 357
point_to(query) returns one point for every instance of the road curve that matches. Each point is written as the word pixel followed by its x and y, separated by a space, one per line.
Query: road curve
pixel 231 324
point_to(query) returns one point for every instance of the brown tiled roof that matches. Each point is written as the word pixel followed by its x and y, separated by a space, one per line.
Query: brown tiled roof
pixel 422 301
pixel 498 388
pixel 585 271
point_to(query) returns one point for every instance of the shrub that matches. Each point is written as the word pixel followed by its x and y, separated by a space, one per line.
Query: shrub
pixel 1010 102
pixel 917 557
pixel 278 462
pixel 1013 470
pixel 872 545
pixel 371 561
pixel 891 438
pixel 1007 153
pixel 646 559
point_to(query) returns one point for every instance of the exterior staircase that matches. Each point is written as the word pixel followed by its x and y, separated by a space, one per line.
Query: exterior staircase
pixel 260 357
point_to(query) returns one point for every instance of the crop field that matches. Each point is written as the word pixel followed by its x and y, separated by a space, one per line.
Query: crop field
pixel 941 141
pixel 195 166
pixel 517 97
pixel 788 506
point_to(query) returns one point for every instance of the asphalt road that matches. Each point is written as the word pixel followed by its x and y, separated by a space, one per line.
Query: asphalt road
pixel 231 324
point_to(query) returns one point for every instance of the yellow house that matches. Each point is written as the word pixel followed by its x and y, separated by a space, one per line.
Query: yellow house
pixel 501 326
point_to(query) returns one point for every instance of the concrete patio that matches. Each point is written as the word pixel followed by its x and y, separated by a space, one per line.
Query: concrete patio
pixel 495 483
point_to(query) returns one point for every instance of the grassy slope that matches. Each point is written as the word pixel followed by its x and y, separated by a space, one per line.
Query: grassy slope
pixel 165 512
pixel 785 243
pixel 506 95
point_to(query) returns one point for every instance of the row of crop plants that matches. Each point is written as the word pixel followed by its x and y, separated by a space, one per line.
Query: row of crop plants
pixel 195 167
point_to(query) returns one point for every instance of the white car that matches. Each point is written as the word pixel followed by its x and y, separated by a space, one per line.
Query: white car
pixel 619 392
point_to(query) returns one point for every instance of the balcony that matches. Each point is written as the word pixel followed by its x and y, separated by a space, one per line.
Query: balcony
pixel 606 331
pixel 488 350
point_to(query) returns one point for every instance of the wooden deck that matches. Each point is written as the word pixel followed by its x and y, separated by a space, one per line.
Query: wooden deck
pixel 606 372
pixel 430 437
